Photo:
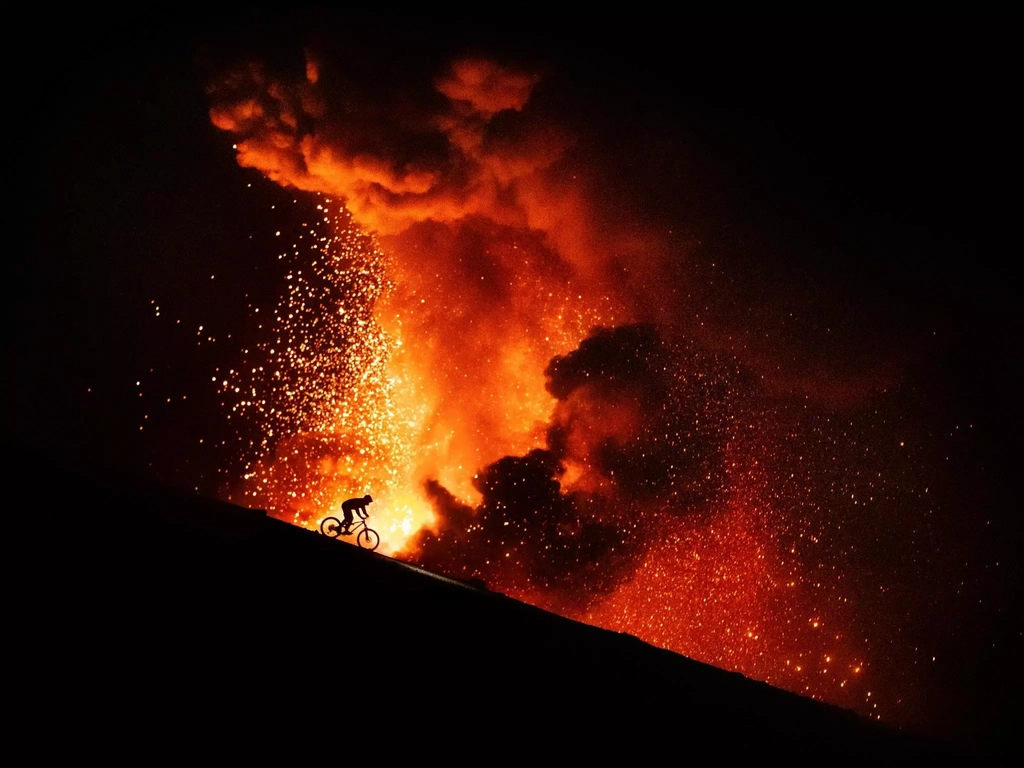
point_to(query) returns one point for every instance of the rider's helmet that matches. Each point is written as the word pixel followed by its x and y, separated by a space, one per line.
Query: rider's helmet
pixel 367 498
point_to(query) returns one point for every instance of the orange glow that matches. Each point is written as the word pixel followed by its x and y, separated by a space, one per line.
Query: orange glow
pixel 410 353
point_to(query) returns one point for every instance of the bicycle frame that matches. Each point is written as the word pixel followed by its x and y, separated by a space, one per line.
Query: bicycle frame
pixel 354 529
pixel 366 537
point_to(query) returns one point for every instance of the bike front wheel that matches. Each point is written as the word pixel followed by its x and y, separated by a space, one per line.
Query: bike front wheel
pixel 331 526
pixel 368 539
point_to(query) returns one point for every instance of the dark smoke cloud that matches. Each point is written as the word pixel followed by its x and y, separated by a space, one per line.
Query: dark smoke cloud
pixel 640 414
pixel 634 440
pixel 526 535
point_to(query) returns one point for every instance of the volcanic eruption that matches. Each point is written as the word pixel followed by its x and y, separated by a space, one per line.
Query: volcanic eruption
pixel 517 366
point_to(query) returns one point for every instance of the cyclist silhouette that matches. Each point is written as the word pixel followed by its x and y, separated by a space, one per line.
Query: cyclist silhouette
pixel 354 505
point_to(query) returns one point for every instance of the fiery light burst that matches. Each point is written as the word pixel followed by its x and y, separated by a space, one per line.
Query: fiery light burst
pixel 508 374
pixel 345 407
pixel 336 416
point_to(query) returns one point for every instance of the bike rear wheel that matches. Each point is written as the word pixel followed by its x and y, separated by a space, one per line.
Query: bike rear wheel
pixel 368 539
pixel 330 526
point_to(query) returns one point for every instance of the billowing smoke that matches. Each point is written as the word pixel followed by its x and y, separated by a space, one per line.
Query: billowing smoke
pixel 633 442
pixel 497 260
pixel 469 147
pixel 634 414
pixel 527 537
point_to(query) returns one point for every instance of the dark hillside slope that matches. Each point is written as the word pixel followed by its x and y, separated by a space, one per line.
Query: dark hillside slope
pixel 186 615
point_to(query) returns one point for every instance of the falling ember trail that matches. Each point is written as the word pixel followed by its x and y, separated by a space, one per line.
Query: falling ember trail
pixel 330 410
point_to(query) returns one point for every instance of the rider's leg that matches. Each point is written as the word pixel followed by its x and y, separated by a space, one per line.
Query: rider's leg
pixel 347 522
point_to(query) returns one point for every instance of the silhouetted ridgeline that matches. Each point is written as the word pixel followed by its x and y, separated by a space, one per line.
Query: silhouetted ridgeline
pixel 179 616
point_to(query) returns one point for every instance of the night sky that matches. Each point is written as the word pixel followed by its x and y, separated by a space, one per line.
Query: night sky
pixel 838 184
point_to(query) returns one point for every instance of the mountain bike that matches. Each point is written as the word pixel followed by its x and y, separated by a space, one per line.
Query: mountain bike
pixel 366 537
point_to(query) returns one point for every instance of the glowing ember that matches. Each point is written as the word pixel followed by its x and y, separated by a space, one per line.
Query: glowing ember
pixel 331 412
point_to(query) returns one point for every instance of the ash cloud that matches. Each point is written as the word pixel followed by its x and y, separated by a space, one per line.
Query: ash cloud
pixel 642 414
pixel 525 533
pixel 479 141
pixel 468 144
pixel 445 153
pixel 477 197
pixel 633 443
